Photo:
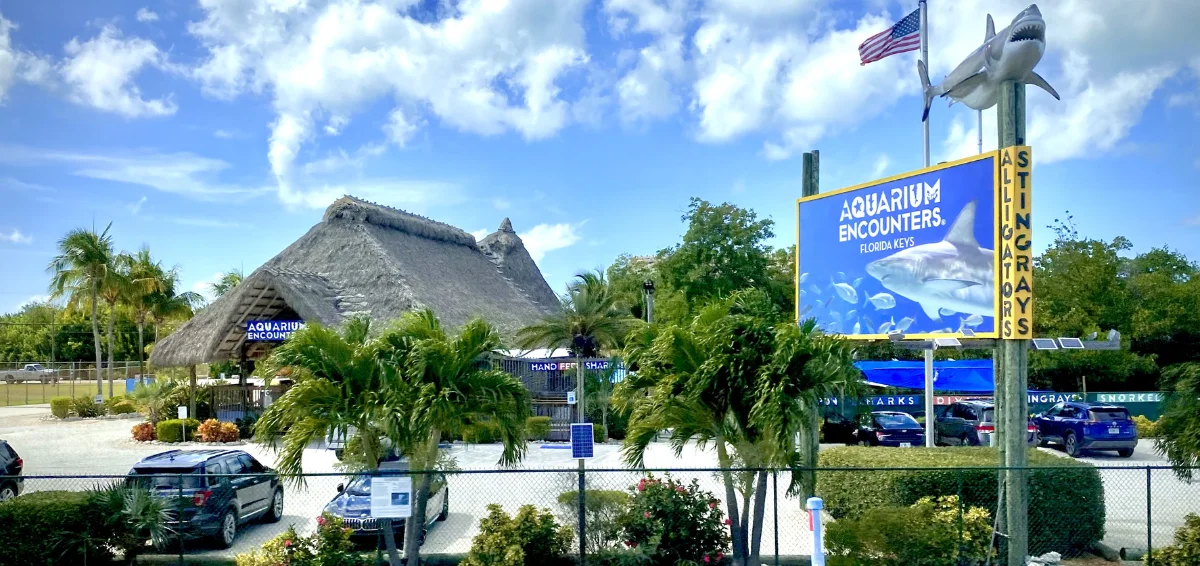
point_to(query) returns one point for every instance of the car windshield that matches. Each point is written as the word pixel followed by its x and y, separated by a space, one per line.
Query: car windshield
pixel 896 420
pixel 167 478
pixel 987 416
pixel 360 485
pixel 1108 414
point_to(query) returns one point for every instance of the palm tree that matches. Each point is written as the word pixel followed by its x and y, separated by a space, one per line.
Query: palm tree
pixel 226 282
pixel 168 303
pixel 444 383
pixel 146 278
pixel 600 388
pixel 587 322
pixel 82 264
pixel 115 287
pixel 739 378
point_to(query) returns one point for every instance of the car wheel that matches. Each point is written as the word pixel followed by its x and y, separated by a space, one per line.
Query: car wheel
pixel 1040 441
pixel 338 454
pixel 965 440
pixel 1071 446
pixel 864 442
pixel 275 513
pixel 445 506
pixel 7 492
pixel 228 531
pixel 1125 452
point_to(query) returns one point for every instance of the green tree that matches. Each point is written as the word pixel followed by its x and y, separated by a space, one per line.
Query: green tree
pixel 82 265
pixel 445 383
pixel 226 282
pixel 587 322
pixel 1179 425
pixel 741 380
pixel 114 289
pixel 146 279
pixel 723 250
pixel 170 303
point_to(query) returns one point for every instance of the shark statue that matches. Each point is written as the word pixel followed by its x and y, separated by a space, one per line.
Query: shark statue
pixel 953 275
pixel 1009 55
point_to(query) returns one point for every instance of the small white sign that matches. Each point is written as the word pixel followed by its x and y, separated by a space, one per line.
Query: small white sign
pixel 570 397
pixel 391 497
pixel 99 399
pixel 183 412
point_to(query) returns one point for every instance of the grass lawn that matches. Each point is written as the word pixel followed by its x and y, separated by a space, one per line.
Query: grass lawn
pixel 40 393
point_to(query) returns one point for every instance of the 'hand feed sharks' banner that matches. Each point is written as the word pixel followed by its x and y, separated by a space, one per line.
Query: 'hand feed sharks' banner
pixel 915 253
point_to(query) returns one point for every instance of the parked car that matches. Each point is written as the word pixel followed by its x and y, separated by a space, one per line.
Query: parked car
pixel 211 493
pixel 972 423
pixel 31 372
pixel 353 505
pixel 11 466
pixel 838 429
pixel 889 428
pixel 1080 426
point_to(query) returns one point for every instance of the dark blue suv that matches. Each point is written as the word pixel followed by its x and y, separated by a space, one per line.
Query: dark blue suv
pixel 1082 426
pixel 210 493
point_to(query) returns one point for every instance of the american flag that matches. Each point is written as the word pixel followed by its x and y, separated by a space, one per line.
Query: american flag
pixel 903 37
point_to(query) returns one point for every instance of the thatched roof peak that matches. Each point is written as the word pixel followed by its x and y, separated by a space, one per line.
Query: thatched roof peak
pixel 354 209
pixel 506 226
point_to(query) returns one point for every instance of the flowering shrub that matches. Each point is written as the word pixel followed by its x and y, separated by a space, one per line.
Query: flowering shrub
pixel 926 533
pixel 329 546
pixel 212 430
pixel 675 522
pixel 530 537
pixel 144 432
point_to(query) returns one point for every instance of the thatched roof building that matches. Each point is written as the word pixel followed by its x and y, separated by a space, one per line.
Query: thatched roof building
pixel 364 258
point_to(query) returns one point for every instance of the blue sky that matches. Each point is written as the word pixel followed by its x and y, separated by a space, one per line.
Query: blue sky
pixel 217 131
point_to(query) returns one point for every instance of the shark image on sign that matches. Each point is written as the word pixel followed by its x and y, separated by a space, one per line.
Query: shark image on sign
pixel 954 275
pixel 1009 55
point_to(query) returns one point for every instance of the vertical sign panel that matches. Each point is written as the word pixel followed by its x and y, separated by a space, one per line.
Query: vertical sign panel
pixel 1016 243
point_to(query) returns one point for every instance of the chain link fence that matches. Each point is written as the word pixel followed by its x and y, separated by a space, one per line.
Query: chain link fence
pixel 1134 508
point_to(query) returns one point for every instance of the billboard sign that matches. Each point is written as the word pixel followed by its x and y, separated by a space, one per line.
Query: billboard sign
pixel 914 253
pixel 271 330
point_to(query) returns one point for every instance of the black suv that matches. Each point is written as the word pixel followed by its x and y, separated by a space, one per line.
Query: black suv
pixel 211 493
pixel 10 472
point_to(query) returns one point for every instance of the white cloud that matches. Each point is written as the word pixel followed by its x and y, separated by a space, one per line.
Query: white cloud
pixel 399 129
pixel 204 286
pixel 545 238
pixel 19 185
pixel 136 207
pixel 501 203
pixel 100 73
pixel 487 67
pixel 881 165
pixel 16 237
pixel 145 15
pixel 480 234
pixel 17 65
pixel 224 134
pixel 32 300
pixel 181 173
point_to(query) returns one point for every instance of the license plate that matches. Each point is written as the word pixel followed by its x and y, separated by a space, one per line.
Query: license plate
pixel 1114 430
pixel 906 445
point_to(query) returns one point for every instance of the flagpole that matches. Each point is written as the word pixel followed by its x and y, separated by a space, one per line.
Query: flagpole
pixel 979 143
pixel 925 59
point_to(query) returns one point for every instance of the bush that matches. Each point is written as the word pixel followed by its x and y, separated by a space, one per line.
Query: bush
pixel 84 407
pixel 599 435
pixel 144 432
pixel 673 522
pixel 329 546
pixel 602 509
pixel 124 407
pixel 530 537
pixel 483 432
pixel 245 426
pixel 1146 428
pixel 537 428
pixel 925 534
pixel 177 430
pixel 1186 550
pixel 1063 484
pixel 61 407
pixel 48 527
pixel 213 430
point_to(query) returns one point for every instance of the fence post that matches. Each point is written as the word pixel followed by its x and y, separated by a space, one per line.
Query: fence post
pixel 179 518
pixel 815 505
pixel 582 516
pixel 1149 542
pixel 775 511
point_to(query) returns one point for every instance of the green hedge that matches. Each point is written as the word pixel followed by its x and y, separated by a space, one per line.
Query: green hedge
pixel 45 527
pixel 173 430
pixel 1063 488
pixel 60 407
pixel 483 432
pixel 537 428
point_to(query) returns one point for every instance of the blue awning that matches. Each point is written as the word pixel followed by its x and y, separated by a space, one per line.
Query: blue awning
pixel 959 376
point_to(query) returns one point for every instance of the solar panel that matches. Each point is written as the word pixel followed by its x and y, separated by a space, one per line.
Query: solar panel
pixel 1044 344
pixel 947 342
pixel 582 441
pixel 1070 343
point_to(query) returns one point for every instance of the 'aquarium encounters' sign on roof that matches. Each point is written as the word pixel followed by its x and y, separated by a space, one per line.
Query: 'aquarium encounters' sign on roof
pixel 271 330
pixel 914 253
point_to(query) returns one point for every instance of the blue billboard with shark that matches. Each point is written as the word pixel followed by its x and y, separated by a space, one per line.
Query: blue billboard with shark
pixel 914 254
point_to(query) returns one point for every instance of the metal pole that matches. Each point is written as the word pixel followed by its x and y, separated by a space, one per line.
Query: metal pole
pixel 979 141
pixel 925 59
pixel 1011 128
pixel 179 518
pixel 582 516
pixel 775 483
pixel 930 420
pixel 1149 548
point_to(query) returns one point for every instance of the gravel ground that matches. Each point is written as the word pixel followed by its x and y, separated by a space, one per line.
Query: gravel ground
pixel 104 447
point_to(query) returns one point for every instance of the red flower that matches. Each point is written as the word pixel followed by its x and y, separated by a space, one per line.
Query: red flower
pixel 321 521
pixel 720 556
pixel 706 559
pixel 287 542
pixel 629 543
pixel 642 485
pixel 727 522
pixel 646 515
pixel 712 504
pixel 679 489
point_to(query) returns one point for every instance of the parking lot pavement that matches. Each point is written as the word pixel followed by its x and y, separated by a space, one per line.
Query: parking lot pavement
pixel 1125 496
